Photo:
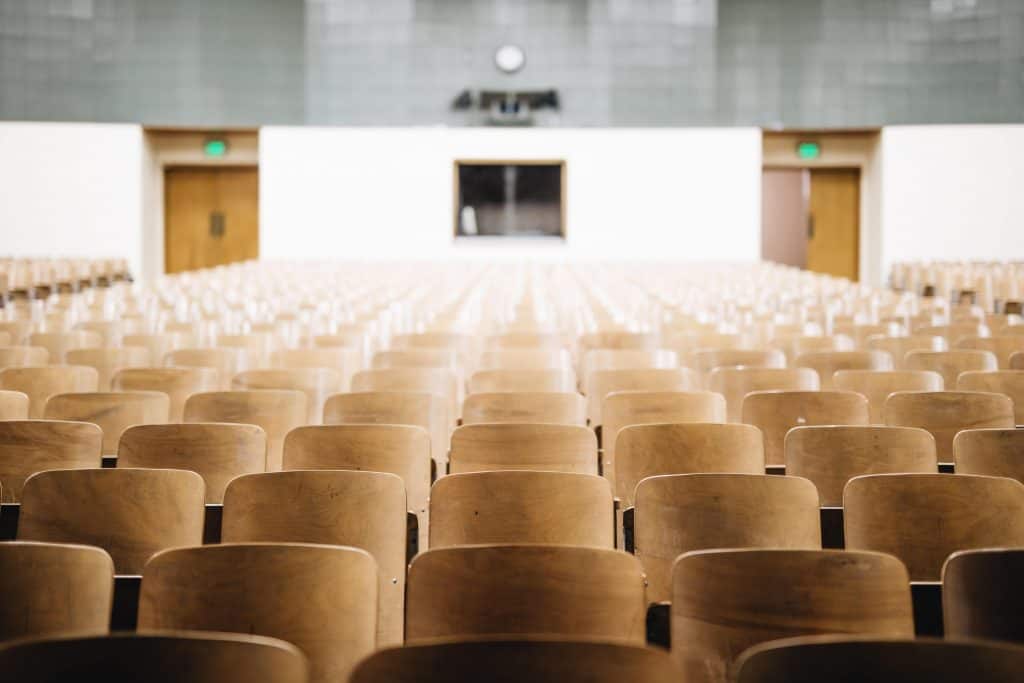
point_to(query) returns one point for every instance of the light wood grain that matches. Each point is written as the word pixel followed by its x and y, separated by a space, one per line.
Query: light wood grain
pixel 604 382
pixel 398 408
pixel 945 413
pixel 1002 346
pixel 256 346
pixel 111 411
pixel 544 447
pixel 14 405
pixel 827 363
pixel 322 599
pixel 735 383
pixel 50 588
pixel 19 331
pixel 226 361
pixel 109 361
pixel 347 361
pixel 982 595
pixel 129 513
pixel 526 590
pixel 159 345
pixel 218 452
pixel 30 446
pixel 830 456
pixel 490 381
pixel 924 518
pixel 707 359
pixel 724 602
pixel 525 407
pixel 618 340
pixel 523 340
pixel 59 343
pixel 1016 361
pixel 776 412
pixel 596 360
pixel 316 383
pixel 438 381
pixel 40 383
pixel 950 364
pixel 993 452
pixel 526 359
pixel 899 347
pixel 178 383
pixel 23 356
pixel 876 385
pixel 332 507
pixel 1008 382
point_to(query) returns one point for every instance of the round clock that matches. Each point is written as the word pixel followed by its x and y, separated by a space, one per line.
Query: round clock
pixel 509 58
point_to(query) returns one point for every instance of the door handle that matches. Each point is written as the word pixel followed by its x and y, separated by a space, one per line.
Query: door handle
pixel 810 227
pixel 217 224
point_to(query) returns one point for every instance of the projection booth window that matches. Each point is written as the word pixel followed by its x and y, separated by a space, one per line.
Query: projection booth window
pixel 517 199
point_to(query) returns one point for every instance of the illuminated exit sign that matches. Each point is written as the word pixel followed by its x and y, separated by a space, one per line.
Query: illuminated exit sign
pixel 215 147
pixel 808 150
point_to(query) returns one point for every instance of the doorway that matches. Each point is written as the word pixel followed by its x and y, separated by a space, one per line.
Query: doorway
pixel 810 218
pixel 211 216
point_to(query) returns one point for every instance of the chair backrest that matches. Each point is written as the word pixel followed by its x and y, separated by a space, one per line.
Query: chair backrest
pixel 320 598
pixel 776 412
pixel 604 382
pixel 525 359
pixel 611 339
pixel 600 359
pixel 167 657
pixel 831 455
pixel 900 513
pixel 706 360
pixel 30 446
pixel 899 347
pixel 526 590
pixel 625 408
pixel 521 506
pixel 111 411
pixel 14 405
pixel 416 358
pixel 651 450
pixel 945 413
pixel 992 452
pixel 22 356
pixel 1016 361
pixel 523 340
pixel 159 345
pixel 497 381
pixel 40 383
pixel 1003 346
pixel 316 383
pixel 539 408
pixel 827 363
pixel 19 331
pixel 277 411
pixel 109 361
pixel 256 347
pixel 950 364
pixel 982 596
pixel 130 513
pixel 515 661
pixel 876 385
pixel 331 507
pixel 59 343
pixel 676 514
pixel 724 602
pixel 347 361
pixel 871 658
pixel 1008 382
pixel 735 383
pixel 438 381
pixel 49 588
pixel 423 410
pixel 226 361
pixel 509 446
pixel 217 451
pixel 177 383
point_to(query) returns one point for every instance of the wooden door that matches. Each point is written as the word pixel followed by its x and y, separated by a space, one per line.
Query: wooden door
pixel 211 216
pixel 834 222
pixel 784 216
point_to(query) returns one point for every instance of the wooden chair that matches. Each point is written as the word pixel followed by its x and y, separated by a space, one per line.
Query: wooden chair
pixel 276 411
pixel 111 331
pixel 625 408
pixel 59 343
pixel 651 450
pixel 228 362
pixel 735 383
pixel 876 385
pixel 797 345
pixel 218 452
pixel 950 364
pixel 900 513
pixel 525 359
pixel 706 360
pixel 899 347
pixel 23 356
pixel 954 332
pixel 617 340
pixel 604 382
pixel 1003 347
pixel 829 456
pixel 316 383
pixel 827 363
pixel 522 407
pixel 321 598
pixel 438 381
pixel 108 361
pixel 332 507
pixel 168 657
pixel 52 588
pixel 416 358
pixel 19 331
pixel 726 601
pixel 178 383
pixel 395 408
pixel 111 411
pixel 597 360
pixel 403 450
pixel 676 514
pixel 30 446
pixel 776 412
pixel 14 405
pixel 514 661
pixel 991 452
pixel 872 658
pixel 40 383
pixel 255 346
pixel 982 596
pixel 129 513
pixel 945 413
pixel 346 361
pixel 526 590
pixel 1016 361
pixel 523 340
pixel 1008 382
pixel 159 345
pixel 544 447
pixel 497 381
pixel 554 508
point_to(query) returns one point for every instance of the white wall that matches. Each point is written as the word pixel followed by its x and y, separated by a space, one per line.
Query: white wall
pixel 70 189
pixel 952 192
pixel 651 193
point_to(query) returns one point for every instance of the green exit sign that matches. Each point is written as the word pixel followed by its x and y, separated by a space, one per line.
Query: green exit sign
pixel 215 147
pixel 808 150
